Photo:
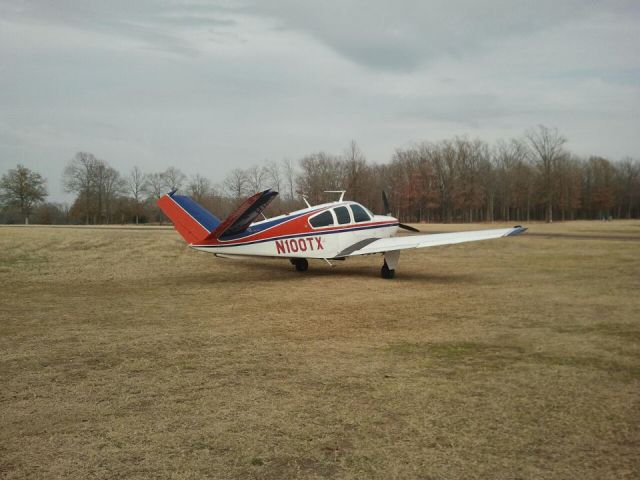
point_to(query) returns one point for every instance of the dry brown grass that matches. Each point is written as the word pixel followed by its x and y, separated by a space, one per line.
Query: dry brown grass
pixel 126 355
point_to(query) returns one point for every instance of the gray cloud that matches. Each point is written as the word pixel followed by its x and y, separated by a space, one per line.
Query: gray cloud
pixel 147 21
pixel 209 87
pixel 406 34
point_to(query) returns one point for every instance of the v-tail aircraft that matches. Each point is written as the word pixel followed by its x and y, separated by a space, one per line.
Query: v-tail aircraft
pixel 330 231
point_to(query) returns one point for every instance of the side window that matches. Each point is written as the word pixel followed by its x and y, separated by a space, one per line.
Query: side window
pixel 359 214
pixel 342 214
pixel 324 219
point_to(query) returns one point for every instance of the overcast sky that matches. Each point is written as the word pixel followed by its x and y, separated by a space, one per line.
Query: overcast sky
pixel 209 86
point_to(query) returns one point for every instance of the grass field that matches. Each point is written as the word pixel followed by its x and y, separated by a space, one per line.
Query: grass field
pixel 124 354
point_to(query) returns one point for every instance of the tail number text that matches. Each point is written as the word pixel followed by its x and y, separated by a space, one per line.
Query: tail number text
pixel 294 245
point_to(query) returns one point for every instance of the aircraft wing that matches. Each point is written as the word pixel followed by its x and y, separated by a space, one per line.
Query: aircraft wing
pixel 381 245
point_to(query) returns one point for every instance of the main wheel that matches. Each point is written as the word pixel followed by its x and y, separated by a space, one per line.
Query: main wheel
pixel 386 272
pixel 301 264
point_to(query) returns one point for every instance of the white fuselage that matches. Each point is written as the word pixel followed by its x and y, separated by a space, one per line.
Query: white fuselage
pixel 293 236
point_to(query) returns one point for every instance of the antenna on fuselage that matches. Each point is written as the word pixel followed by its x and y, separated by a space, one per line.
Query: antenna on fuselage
pixel 304 197
pixel 341 192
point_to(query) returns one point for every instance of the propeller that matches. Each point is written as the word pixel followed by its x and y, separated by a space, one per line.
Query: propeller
pixel 387 208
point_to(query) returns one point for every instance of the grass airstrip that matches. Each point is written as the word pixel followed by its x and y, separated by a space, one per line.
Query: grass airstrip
pixel 124 354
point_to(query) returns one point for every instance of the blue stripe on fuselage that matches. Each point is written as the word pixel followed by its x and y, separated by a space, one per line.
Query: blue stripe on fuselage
pixel 253 229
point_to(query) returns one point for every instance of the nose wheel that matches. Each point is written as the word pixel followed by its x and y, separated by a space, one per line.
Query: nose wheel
pixel 386 272
pixel 301 264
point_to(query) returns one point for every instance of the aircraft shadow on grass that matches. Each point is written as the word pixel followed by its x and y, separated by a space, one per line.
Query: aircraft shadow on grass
pixel 239 272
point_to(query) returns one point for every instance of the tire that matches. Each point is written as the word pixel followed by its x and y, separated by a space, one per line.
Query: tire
pixel 386 272
pixel 301 264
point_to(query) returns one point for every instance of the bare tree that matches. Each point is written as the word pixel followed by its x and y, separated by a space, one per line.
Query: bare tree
pixel 444 163
pixel 289 171
pixel 111 187
pixel 600 174
pixel 97 185
pixel 137 186
pixel 628 173
pixel 255 178
pixel 236 183
pixel 320 172
pixel 355 166
pixel 508 157
pixel 79 177
pixel 174 178
pixel 22 188
pixel 200 188
pixel 547 145
pixel 273 175
pixel 156 186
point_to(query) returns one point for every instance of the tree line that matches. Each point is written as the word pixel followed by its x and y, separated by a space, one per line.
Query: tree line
pixel 533 177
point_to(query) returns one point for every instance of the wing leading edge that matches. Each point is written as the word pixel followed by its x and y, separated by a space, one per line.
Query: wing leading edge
pixel 382 245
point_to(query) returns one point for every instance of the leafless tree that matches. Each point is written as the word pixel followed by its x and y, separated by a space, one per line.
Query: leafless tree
pixel 236 183
pixel 628 174
pixel 273 176
pixel 136 187
pixel 454 179
pixel 508 157
pixel 320 172
pixel 547 146
pixel 79 177
pixel 111 186
pixel 23 189
pixel 155 187
pixel 97 185
pixel 255 178
pixel 356 172
pixel 200 188
pixel 289 173
pixel 174 178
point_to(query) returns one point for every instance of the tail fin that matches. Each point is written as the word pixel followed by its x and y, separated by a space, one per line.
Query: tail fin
pixel 191 220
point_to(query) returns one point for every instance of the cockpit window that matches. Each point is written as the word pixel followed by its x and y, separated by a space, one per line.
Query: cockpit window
pixel 359 213
pixel 368 211
pixel 324 219
pixel 342 214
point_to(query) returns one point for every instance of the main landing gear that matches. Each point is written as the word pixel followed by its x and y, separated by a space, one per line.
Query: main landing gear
pixel 301 264
pixel 386 272
pixel 391 260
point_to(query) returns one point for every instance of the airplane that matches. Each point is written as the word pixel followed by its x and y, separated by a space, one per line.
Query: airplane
pixel 330 231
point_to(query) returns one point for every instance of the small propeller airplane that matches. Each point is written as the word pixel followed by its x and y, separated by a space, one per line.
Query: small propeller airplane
pixel 330 231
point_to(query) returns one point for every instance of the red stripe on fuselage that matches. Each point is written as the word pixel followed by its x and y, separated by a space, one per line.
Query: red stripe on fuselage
pixel 294 226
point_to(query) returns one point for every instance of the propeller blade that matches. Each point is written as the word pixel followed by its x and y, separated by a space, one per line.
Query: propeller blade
pixel 387 208
pixel 385 202
pixel 408 227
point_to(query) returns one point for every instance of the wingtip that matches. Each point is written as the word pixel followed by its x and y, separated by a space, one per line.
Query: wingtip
pixel 517 230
